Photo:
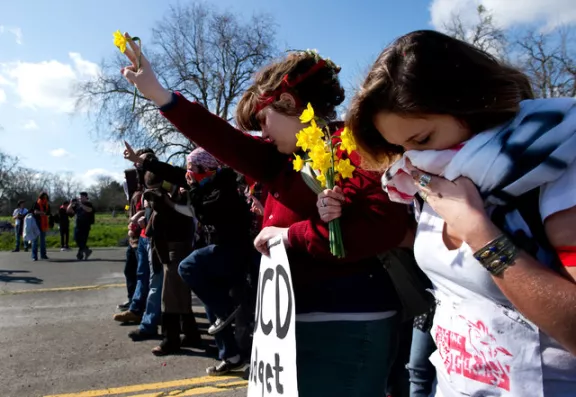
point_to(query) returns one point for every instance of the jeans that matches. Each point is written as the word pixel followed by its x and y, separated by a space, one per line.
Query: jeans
pixel 81 234
pixel 138 304
pixel 130 269
pixel 42 239
pixel 153 312
pixel 422 372
pixel 345 358
pixel 211 272
pixel 18 233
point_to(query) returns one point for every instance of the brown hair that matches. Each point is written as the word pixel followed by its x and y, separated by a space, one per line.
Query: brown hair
pixel 320 88
pixel 427 72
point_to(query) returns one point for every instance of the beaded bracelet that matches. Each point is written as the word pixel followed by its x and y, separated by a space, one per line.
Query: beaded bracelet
pixel 497 255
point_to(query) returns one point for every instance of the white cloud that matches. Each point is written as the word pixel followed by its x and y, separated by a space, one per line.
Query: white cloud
pixel 48 84
pixel 17 32
pixel 549 13
pixel 2 96
pixel 90 177
pixel 30 125
pixel 59 153
pixel 112 147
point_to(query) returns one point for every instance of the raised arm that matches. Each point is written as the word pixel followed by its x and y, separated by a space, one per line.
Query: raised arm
pixel 170 173
pixel 248 155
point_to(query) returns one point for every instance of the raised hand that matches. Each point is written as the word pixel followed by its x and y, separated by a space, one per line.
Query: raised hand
pixel 130 155
pixel 140 74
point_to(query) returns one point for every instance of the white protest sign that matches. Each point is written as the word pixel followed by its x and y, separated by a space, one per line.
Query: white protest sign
pixel 273 360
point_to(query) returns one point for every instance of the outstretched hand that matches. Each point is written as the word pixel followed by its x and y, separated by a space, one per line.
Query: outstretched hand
pixel 140 74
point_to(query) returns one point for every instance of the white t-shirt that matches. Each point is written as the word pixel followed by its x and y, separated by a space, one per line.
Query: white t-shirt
pixel 485 347
pixel 21 211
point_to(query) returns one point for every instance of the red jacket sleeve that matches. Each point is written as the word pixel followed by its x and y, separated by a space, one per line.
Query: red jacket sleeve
pixel 371 224
pixel 249 155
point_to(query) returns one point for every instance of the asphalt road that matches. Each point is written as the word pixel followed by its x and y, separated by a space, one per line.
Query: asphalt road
pixel 57 336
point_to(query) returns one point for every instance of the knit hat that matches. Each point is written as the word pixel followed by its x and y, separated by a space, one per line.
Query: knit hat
pixel 202 158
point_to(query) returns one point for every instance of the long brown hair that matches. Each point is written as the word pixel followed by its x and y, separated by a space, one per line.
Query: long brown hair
pixel 321 88
pixel 427 72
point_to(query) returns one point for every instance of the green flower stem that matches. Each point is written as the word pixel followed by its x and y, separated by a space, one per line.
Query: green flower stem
pixel 334 229
pixel 139 65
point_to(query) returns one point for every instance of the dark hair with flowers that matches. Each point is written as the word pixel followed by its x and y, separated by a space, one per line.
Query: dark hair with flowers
pixel 305 75
pixel 427 72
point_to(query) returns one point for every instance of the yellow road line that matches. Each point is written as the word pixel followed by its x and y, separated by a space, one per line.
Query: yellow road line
pixel 199 390
pixel 62 289
pixel 148 386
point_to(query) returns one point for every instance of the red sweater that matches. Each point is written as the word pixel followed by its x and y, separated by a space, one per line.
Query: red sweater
pixel 371 224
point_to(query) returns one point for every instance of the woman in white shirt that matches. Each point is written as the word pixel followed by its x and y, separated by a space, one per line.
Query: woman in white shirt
pixel 505 322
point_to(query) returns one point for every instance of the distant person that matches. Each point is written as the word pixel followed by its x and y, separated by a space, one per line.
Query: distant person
pixel 41 211
pixel 84 211
pixel 18 216
pixel 64 222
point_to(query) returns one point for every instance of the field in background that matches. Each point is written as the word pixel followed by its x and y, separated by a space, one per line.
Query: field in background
pixel 106 232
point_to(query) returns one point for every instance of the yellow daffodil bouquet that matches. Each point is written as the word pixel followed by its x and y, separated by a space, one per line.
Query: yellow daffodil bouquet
pixel 322 165
pixel 121 41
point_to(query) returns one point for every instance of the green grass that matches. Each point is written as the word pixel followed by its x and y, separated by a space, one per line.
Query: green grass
pixel 106 232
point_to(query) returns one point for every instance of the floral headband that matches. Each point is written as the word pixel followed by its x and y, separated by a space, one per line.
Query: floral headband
pixel 287 84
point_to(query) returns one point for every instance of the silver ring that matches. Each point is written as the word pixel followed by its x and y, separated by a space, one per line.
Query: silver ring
pixel 424 195
pixel 425 180
pixel 323 201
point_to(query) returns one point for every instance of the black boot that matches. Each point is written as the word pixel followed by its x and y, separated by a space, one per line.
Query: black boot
pixel 171 335
pixel 190 330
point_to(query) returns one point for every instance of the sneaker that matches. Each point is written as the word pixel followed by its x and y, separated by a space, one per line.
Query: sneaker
pixel 15 250
pixel 62 249
pixel 225 367
pixel 220 324
pixel 138 335
pixel 45 258
pixel 79 257
pixel 34 259
pixel 87 254
pixel 127 317
pixel 124 306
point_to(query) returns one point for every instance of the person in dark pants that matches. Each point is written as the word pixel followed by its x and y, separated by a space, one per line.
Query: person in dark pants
pixel 64 222
pixel 83 210
pixel 18 216
pixel 131 264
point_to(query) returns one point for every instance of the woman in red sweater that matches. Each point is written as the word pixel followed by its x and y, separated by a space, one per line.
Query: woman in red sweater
pixel 346 328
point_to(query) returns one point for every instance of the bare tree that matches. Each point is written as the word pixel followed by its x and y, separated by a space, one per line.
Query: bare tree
pixel 484 33
pixel 208 55
pixel 549 61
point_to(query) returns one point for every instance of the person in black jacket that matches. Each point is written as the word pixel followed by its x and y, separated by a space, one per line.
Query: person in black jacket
pixel 64 222
pixel 214 270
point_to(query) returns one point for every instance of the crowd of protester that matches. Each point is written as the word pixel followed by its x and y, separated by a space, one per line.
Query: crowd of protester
pixel 458 222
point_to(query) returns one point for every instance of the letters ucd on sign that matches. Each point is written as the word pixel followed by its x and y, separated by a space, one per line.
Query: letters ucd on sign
pixel 273 361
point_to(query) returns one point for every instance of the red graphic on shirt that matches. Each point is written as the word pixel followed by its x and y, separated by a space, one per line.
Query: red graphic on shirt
pixel 478 357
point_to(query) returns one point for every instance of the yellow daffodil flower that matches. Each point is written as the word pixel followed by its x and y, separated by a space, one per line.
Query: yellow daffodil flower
pixel 348 142
pixel 322 179
pixel 321 158
pixel 307 115
pixel 298 163
pixel 309 137
pixel 120 41
pixel 344 168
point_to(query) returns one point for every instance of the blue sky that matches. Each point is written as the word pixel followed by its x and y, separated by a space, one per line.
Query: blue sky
pixel 47 45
